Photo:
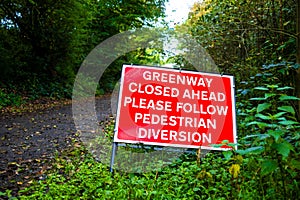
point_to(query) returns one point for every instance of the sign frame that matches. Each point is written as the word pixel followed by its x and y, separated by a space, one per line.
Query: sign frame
pixel 172 70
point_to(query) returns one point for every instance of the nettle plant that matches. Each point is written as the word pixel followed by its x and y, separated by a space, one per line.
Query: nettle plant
pixel 271 133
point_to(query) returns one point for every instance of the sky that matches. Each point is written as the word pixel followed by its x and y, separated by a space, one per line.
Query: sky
pixel 177 10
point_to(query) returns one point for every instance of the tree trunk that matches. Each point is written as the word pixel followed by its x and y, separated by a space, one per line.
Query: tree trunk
pixel 298 55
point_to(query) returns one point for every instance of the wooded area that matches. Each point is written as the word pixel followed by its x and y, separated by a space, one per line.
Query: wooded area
pixel 43 43
pixel 247 35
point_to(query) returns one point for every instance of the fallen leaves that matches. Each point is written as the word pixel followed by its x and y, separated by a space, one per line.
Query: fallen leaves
pixel 36 105
pixel 30 137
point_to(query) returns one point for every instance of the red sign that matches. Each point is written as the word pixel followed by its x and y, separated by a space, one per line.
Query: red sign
pixel 168 107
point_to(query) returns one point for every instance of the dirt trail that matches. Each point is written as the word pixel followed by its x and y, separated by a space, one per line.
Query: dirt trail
pixel 28 141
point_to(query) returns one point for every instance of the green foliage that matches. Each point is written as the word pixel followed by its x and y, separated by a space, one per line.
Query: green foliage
pixel 79 176
pixel 249 33
pixel 241 36
pixel 46 29
pixel 33 88
pixel 270 131
pixel 8 99
pixel 265 166
pixel 153 55
pixel 52 38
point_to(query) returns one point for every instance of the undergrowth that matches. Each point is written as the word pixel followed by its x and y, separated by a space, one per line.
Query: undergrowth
pixel 16 93
pixel 265 166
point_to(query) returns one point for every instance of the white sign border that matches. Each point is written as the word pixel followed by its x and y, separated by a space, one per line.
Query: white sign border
pixel 233 106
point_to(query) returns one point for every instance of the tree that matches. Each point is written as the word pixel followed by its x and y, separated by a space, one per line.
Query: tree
pixel 298 55
pixel 51 38
pixel 242 36
pixel 46 30
pixel 253 32
pixel 112 17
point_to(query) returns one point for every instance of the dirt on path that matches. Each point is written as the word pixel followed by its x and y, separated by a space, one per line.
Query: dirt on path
pixel 29 140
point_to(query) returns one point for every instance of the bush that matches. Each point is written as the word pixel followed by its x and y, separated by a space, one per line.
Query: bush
pixel 9 98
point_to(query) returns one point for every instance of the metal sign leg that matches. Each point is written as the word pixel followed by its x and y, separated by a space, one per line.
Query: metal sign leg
pixel 113 154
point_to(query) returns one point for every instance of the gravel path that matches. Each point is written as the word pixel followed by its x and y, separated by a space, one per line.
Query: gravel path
pixel 28 141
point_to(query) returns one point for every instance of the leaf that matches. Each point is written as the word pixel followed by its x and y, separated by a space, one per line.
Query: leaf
pixel 224 142
pixel 259 124
pixel 263 106
pixel 285 98
pixel 268 95
pixel 285 88
pixel 277 115
pixel 258 98
pixel 288 122
pixel 272 86
pixel 254 150
pixel 268 166
pixel 233 145
pixel 216 145
pixel 227 154
pixel 295 164
pixel 234 170
pixel 261 88
pixel 259 136
pixel 283 148
pixel 288 109
pixel 275 133
pixel 32 2
pixel 261 116
pixel 286 23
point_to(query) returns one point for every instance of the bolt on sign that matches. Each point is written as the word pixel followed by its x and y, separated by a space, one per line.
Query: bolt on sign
pixel 168 107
